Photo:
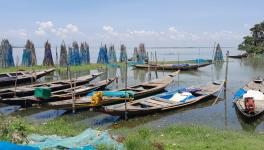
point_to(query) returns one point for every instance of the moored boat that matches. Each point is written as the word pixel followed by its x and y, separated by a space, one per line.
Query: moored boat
pixel 249 100
pixel 182 67
pixel 164 102
pixel 54 86
pixel 8 79
pixel 59 95
pixel 238 56
pixel 139 91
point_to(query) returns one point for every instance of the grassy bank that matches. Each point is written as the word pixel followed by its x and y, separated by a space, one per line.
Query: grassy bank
pixel 193 138
pixel 175 137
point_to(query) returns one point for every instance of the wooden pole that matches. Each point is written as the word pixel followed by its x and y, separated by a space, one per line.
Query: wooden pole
pixel 126 118
pixel 226 71
pixel 70 78
pixel 17 60
pixel 149 73
pixel 156 64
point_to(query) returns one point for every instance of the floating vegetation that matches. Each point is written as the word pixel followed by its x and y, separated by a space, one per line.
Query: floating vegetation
pixel 29 55
pixel 63 55
pixel 123 54
pixel 48 60
pixel 85 53
pixel 112 55
pixel 218 55
pixel 102 56
pixel 6 54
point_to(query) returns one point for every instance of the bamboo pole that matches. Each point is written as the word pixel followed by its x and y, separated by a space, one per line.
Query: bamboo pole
pixel 126 118
pixel 156 64
pixel 17 60
pixel 226 71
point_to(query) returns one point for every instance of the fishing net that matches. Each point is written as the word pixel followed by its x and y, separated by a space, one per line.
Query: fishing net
pixel 112 55
pixel 74 55
pixel 63 55
pixel 135 57
pixel 29 55
pixel 85 53
pixel 88 139
pixel 142 54
pixel 48 60
pixel 102 56
pixel 123 53
pixel 6 54
pixel 218 54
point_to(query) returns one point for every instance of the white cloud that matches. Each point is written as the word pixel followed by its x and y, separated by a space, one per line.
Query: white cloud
pixel 172 30
pixel 47 28
pixel 108 29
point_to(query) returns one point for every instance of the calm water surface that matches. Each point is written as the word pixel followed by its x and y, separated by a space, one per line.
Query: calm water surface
pixel 221 114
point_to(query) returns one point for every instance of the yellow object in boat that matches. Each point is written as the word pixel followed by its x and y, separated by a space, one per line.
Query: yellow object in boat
pixel 97 98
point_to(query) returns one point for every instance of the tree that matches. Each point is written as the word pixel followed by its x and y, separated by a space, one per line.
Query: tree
pixel 254 43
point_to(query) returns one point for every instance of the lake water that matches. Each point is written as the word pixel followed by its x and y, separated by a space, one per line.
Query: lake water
pixel 222 114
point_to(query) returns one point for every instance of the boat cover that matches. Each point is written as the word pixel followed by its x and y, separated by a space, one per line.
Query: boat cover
pixel 239 93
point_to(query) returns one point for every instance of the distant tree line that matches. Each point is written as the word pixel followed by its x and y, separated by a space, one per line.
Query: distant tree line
pixel 254 43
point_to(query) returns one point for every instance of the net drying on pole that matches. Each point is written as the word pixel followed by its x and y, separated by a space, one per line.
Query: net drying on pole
pixel 48 60
pixel 6 54
pixel 142 54
pixel 74 55
pixel 29 55
pixel 102 56
pixel 135 57
pixel 218 57
pixel 112 55
pixel 85 53
pixel 63 55
pixel 123 54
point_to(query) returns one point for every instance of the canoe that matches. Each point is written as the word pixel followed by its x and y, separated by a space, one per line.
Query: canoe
pixel 54 86
pixel 140 91
pixel 59 95
pixel 8 79
pixel 164 102
pixel 240 102
pixel 238 56
pixel 182 67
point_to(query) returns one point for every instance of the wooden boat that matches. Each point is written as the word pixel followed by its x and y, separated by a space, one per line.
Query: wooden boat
pixel 59 95
pixel 240 104
pixel 182 67
pixel 8 79
pixel 141 90
pixel 163 102
pixel 54 86
pixel 238 56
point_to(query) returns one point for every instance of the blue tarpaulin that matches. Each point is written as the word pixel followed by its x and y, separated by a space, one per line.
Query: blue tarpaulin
pixel 11 146
pixel 239 93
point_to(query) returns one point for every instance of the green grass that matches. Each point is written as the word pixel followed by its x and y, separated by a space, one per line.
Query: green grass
pixel 193 137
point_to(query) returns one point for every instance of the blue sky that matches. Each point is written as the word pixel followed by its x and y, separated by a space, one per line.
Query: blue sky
pixel 153 22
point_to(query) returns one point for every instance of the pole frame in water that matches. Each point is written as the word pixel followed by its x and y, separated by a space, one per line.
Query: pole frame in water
pixel 126 118
pixel 226 71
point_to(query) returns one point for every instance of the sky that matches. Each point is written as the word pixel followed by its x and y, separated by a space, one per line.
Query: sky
pixel 130 22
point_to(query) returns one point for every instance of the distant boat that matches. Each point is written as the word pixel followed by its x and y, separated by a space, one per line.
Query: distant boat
pixel 164 102
pixel 182 67
pixel 249 100
pixel 239 56
pixel 9 79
